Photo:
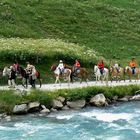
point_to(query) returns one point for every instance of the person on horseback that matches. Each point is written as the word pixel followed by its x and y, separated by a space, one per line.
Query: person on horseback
pixel 101 66
pixel 76 66
pixel 133 65
pixel 16 67
pixel 61 66
pixel 12 76
pixel 116 66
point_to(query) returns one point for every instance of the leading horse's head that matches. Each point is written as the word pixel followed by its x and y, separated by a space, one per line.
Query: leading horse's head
pixel 95 68
pixel 6 71
pixel 53 67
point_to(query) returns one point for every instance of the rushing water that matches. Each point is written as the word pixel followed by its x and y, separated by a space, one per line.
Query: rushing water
pixel 121 122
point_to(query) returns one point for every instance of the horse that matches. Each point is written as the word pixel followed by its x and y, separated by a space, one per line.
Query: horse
pixel 117 74
pixel 11 76
pixel 99 76
pixel 28 75
pixel 65 74
pixel 80 73
pixel 129 72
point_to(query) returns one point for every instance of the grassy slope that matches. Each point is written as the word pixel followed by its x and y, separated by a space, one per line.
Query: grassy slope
pixel 110 27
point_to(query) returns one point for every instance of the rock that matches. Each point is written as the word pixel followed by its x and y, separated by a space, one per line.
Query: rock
pixel 21 91
pixel 43 106
pixel 53 110
pixel 65 108
pixel 33 106
pixel 124 99
pixel 61 99
pixel 57 104
pixel 45 111
pixel 98 100
pixel 76 104
pixel 20 109
pixel 115 98
pixel 8 118
pixel 135 98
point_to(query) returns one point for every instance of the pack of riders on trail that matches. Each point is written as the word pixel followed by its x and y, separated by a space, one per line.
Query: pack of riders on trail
pixel 31 70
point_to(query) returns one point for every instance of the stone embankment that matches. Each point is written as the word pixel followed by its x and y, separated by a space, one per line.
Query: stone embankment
pixel 61 103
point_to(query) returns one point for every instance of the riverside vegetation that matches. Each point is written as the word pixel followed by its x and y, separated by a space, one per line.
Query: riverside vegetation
pixel 9 99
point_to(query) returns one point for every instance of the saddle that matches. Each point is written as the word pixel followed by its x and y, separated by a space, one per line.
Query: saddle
pixel 76 71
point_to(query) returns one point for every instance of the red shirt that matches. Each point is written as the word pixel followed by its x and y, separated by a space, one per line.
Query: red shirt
pixel 100 65
pixel 16 66
pixel 77 64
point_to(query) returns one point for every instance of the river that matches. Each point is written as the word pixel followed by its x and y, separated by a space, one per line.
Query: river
pixel 116 122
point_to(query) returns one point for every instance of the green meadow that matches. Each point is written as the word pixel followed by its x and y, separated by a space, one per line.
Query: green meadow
pixel 44 31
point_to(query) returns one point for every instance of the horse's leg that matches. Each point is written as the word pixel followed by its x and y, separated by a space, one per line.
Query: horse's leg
pixel 9 82
pixel 33 83
pixel 40 82
pixel 13 83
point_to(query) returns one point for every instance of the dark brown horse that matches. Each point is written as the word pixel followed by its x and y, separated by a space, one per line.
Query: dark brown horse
pixel 81 73
pixel 27 76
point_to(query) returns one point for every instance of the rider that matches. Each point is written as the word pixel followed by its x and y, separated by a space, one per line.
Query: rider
pixel 16 66
pixel 12 76
pixel 133 65
pixel 61 66
pixel 116 66
pixel 77 66
pixel 101 66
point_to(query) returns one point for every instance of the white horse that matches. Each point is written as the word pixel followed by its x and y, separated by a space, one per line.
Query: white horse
pixel 11 78
pixel 66 74
pixel 99 76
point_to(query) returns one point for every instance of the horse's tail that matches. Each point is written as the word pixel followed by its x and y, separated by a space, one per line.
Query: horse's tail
pixel 124 73
pixel 38 77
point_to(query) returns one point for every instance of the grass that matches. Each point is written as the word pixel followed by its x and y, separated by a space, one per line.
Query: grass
pixel 109 27
pixel 44 31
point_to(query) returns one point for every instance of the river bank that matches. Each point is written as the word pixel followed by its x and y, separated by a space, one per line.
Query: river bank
pixel 44 102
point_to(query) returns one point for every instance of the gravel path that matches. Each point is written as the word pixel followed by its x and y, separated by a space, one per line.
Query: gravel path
pixel 52 87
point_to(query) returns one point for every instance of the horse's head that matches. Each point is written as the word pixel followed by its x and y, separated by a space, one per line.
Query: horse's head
pixel 127 68
pixel 6 71
pixel 111 69
pixel 53 67
pixel 95 68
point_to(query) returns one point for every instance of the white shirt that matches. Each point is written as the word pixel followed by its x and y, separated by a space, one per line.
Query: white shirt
pixel 60 66
pixel 116 65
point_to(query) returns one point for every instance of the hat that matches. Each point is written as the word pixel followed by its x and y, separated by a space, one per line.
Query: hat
pixel 60 61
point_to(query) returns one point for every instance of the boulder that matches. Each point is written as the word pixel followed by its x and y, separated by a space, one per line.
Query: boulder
pixel 65 108
pixel 57 104
pixel 20 109
pixel 33 106
pixel 98 100
pixel 124 99
pixel 135 98
pixel 76 104
pixel 45 111
pixel 8 118
pixel 53 110
pixel 61 99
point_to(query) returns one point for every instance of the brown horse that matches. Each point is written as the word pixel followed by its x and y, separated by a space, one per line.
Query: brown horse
pixel 81 73
pixel 129 72
pixel 65 75
pixel 117 74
